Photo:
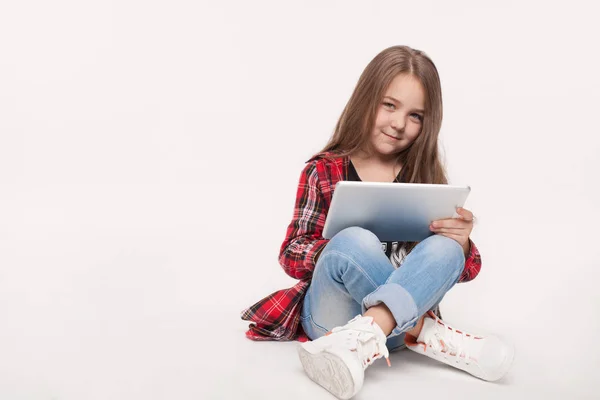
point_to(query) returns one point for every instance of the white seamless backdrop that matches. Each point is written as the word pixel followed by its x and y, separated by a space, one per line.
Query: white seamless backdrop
pixel 149 157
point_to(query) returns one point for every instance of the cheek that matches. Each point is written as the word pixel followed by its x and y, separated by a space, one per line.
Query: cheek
pixel 415 129
pixel 381 119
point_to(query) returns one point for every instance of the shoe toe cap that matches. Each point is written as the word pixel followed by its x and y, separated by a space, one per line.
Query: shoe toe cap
pixel 496 357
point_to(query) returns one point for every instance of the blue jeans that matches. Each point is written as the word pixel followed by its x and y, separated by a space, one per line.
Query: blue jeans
pixel 353 273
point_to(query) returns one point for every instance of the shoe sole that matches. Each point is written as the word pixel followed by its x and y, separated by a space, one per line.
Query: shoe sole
pixel 329 371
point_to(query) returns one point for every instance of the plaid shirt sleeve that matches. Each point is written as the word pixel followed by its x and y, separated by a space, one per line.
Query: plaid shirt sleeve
pixel 304 240
pixel 277 316
pixel 472 264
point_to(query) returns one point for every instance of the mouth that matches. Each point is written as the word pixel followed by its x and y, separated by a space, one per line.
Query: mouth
pixel 390 136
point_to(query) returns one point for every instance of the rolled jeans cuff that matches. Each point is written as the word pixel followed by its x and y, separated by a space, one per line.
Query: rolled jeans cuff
pixel 398 301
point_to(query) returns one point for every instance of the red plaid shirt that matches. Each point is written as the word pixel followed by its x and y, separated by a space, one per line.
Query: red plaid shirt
pixel 277 316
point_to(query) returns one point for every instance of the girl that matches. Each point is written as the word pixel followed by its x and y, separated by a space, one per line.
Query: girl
pixel 358 298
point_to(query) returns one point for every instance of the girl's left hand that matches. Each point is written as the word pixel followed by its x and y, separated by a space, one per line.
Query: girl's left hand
pixel 458 228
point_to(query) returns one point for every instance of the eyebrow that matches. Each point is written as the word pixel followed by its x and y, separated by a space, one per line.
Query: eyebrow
pixel 399 102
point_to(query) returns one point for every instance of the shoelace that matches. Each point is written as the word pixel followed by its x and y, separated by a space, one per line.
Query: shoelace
pixel 450 341
pixel 367 345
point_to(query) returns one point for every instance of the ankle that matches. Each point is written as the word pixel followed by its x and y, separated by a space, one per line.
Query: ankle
pixel 416 331
pixel 383 317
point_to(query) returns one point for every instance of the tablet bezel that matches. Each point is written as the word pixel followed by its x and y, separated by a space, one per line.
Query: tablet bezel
pixel 393 211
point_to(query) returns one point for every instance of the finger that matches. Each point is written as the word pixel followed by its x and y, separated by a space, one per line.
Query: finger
pixel 453 231
pixel 451 223
pixel 465 214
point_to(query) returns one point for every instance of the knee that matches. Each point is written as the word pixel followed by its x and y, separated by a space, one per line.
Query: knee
pixel 445 249
pixel 353 249
pixel 352 242
pixel 355 237
pixel 444 245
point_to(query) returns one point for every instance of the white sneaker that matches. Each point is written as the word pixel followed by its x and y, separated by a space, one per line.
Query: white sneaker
pixel 487 358
pixel 337 361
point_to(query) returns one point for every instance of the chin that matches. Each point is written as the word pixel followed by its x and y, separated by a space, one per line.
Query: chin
pixel 389 150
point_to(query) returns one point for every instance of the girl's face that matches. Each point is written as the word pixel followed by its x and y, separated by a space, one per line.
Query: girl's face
pixel 399 116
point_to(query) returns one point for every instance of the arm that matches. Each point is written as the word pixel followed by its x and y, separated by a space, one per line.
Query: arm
pixel 460 229
pixel 304 241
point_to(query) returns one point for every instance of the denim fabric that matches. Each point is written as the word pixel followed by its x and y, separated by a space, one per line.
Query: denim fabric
pixel 353 274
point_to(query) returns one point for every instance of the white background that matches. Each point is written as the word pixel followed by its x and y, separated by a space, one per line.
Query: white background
pixel 149 157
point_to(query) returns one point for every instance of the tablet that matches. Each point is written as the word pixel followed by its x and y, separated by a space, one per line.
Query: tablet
pixel 393 211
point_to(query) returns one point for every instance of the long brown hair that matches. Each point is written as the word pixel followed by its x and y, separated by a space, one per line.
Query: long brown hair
pixel 421 160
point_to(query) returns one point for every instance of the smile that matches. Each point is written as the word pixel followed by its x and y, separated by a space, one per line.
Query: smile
pixel 393 137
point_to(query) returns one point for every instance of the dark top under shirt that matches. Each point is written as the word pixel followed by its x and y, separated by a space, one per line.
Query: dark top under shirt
pixel 353 176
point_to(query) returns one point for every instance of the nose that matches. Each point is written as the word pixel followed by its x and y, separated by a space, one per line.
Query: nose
pixel 397 122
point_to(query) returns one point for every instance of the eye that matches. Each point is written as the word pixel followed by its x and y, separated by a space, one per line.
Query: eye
pixel 389 105
pixel 418 117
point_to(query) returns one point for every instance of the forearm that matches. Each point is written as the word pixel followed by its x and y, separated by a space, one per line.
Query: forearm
pixel 304 239
pixel 298 256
